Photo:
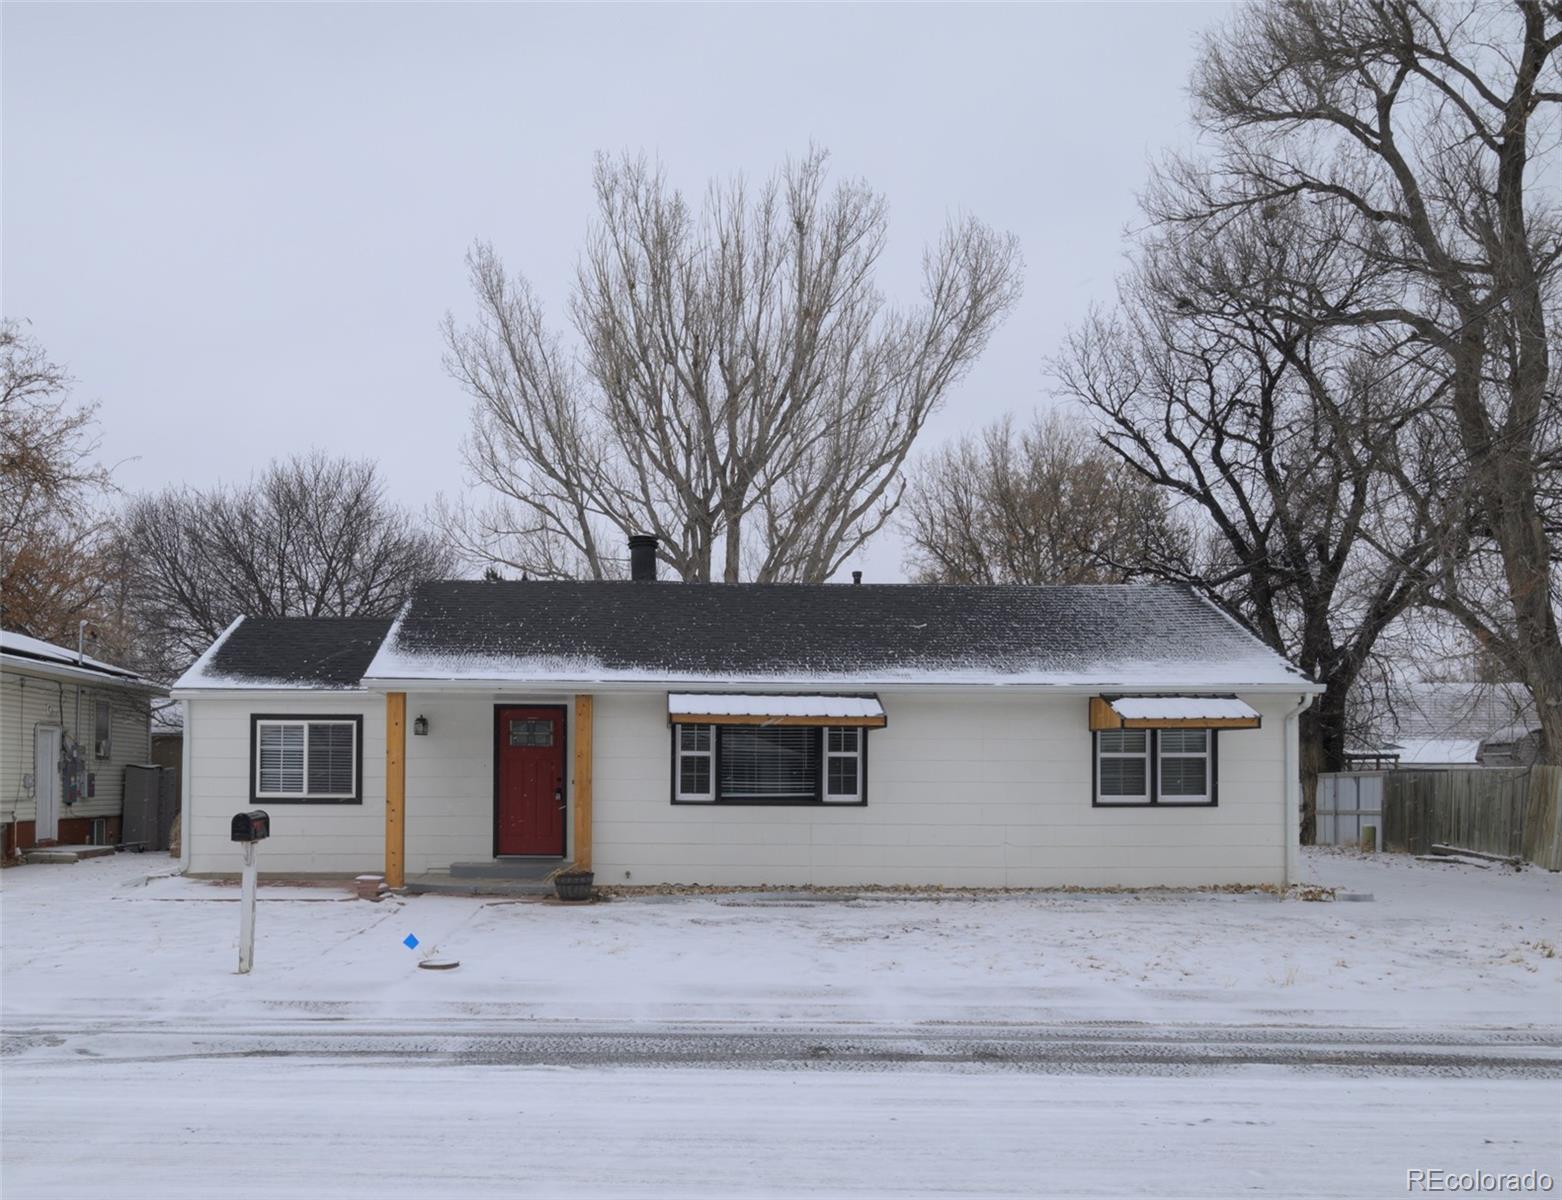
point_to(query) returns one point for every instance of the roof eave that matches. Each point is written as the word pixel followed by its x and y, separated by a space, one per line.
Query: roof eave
pixel 229 691
pixel 748 684
pixel 40 666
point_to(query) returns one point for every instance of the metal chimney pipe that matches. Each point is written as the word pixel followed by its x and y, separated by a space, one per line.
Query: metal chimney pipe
pixel 642 557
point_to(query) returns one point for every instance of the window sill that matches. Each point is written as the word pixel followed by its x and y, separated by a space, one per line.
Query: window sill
pixel 772 803
pixel 305 800
pixel 1154 804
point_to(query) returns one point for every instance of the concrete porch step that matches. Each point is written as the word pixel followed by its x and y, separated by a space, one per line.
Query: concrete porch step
pixel 440 884
pixel 533 870
pixel 64 854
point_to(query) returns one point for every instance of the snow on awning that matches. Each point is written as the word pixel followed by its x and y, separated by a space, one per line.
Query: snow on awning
pixel 726 708
pixel 1172 712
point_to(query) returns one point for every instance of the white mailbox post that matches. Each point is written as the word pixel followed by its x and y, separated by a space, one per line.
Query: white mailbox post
pixel 249 828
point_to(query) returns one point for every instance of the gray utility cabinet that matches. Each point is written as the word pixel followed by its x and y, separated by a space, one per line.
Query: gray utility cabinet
pixel 151 801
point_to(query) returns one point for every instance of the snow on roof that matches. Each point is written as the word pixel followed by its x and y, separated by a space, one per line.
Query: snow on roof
pixel 1460 710
pixel 1121 637
pixel 20 647
pixel 1182 708
pixel 729 704
pixel 1426 751
pixel 288 653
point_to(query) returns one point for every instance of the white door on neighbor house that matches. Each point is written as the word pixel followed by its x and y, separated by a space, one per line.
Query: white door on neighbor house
pixel 46 782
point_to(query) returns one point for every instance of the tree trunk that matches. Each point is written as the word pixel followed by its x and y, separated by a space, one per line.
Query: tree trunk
pixel 1322 737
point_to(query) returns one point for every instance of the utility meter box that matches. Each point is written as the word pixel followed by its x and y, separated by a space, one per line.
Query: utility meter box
pixel 252 826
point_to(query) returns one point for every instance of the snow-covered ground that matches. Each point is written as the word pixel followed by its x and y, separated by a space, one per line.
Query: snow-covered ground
pixel 1439 945
pixel 139 1065
pixel 336 1128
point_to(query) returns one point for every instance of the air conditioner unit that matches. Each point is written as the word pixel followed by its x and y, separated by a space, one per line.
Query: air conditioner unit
pixel 103 749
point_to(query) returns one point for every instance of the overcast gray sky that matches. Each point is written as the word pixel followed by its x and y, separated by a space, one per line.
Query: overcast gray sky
pixel 240 226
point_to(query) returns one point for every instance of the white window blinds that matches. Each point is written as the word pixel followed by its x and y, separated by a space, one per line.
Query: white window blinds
pixel 778 763
pixel 306 759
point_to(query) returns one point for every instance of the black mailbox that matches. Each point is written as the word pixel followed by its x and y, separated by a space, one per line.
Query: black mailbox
pixel 254 826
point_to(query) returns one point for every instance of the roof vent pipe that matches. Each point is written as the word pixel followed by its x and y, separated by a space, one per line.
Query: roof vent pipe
pixel 856 576
pixel 642 557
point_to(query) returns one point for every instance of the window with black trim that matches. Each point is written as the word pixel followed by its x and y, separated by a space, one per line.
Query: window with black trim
pixel 1154 766
pixel 306 759
pixel 769 764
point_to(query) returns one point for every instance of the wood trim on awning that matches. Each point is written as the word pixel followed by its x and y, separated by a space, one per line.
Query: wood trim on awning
pixel 812 711
pixel 1233 714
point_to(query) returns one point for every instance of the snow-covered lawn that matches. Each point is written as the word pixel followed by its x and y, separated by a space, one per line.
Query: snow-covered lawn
pixel 139 1065
pixel 1439 946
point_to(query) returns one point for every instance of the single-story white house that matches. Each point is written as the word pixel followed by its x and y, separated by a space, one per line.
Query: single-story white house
pixel 69 726
pixel 744 734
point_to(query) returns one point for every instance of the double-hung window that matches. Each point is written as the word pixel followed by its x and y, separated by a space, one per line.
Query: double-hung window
pixel 769 764
pixel 843 763
pixel 694 765
pixel 307 759
pixel 1123 766
pixel 1155 766
pixel 1182 766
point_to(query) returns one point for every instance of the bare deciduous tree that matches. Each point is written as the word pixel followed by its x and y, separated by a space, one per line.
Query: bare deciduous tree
pixel 740 388
pixel 1418 127
pixel 52 490
pixel 312 536
pixel 1278 441
pixel 1041 504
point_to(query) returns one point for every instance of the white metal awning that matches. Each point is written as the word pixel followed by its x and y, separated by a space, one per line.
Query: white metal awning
pixel 728 708
pixel 1172 712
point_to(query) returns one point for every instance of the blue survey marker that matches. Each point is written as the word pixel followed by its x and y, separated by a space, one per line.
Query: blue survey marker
pixel 410 942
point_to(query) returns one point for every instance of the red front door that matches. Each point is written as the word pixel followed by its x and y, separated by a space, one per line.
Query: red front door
pixel 529 816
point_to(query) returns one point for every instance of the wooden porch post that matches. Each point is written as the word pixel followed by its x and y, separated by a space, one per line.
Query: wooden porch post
pixel 582 858
pixel 395 789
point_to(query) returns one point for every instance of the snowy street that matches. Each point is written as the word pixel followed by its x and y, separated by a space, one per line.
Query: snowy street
pixel 1029 1044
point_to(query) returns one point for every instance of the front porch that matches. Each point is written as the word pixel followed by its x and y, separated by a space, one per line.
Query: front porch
pixel 490 795
pixel 496 877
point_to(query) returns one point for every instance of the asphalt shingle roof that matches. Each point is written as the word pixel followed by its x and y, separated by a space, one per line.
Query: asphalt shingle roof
pixel 670 630
pixel 326 652
pixel 1130 635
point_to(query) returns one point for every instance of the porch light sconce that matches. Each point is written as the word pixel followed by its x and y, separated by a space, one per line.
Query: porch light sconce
pixel 420 727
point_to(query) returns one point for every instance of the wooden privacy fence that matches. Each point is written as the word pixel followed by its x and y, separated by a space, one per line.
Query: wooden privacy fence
pixel 1515 812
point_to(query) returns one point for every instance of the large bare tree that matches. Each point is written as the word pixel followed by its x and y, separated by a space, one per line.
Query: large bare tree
pixel 311 536
pixel 53 489
pixel 1041 503
pixel 1277 440
pixel 1427 131
pixel 738 385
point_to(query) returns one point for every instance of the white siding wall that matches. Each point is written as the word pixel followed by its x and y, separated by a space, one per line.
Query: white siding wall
pixel 305 838
pixel 986 792
pixel 983 791
pixel 28 700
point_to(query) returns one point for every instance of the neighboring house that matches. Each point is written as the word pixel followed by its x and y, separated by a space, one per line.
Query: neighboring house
pixel 740 734
pixel 1449 725
pixel 71 724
